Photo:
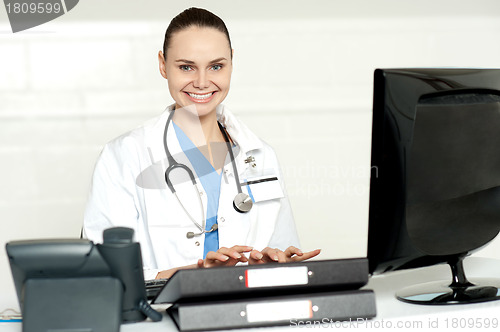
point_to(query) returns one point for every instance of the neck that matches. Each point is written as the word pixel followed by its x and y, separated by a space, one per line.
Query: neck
pixel 201 130
pixel 211 128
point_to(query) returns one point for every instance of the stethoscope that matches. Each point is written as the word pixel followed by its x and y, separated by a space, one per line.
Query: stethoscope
pixel 241 203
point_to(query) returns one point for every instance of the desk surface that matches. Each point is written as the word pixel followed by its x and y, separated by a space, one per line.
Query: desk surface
pixel 391 313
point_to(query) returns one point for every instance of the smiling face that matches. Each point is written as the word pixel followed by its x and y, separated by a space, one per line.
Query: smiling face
pixel 198 68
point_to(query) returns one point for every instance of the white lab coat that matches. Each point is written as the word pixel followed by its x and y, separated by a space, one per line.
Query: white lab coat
pixel 129 190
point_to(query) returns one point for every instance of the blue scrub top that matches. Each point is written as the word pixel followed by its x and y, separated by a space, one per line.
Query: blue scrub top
pixel 210 181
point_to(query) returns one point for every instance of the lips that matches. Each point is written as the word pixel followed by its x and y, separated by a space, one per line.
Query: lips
pixel 200 98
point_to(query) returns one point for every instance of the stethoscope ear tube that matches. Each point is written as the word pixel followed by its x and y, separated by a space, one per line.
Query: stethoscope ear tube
pixel 171 168
pixel 171 161
pixel 242 203
pixel 190 235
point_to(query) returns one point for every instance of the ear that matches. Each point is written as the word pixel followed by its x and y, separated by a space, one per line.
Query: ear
pixel 161 64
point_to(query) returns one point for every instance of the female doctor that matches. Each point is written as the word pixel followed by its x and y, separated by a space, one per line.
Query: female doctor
pixel 196 185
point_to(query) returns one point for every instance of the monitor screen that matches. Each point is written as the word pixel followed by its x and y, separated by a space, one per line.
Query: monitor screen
pixel 435 182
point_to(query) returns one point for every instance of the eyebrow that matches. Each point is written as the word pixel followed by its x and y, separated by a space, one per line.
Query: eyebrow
pixel 185 61
pixel 218 60
pixel 192 62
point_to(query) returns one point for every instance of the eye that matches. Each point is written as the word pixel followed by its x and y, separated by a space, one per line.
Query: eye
pixel 216 67
pixel 185 68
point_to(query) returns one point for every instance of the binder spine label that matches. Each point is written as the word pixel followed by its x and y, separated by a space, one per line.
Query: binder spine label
pixel 278 311
pixel 279 276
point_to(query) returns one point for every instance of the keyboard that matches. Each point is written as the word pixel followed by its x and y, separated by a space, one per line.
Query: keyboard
pixel 153 287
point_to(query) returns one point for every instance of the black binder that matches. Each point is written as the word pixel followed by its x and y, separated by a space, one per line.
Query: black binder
pixel 322 309
pixel 269 294
pixel 264 280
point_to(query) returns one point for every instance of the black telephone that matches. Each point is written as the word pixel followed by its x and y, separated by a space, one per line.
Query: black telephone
pixel 125 261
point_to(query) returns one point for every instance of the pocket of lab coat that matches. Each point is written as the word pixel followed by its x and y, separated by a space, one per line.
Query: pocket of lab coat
pixel 163 208
pixel 172 248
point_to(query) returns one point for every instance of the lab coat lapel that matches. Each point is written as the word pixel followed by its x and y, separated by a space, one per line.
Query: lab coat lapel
pixel 247 141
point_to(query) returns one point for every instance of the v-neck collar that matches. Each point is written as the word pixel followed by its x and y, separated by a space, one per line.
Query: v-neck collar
pixel 200 163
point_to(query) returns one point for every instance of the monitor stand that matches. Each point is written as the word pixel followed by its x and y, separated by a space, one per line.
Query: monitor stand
pixel 460 290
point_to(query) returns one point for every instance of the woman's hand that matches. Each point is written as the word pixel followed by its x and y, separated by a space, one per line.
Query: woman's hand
pixel 273 255
pixel 231 256
pixel 225 257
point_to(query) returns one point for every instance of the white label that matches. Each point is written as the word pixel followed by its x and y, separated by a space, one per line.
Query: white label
pixel 276 311
pixel 279 276
pixel 264 188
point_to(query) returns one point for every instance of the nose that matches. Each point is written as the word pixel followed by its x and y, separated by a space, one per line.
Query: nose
pixel 201 81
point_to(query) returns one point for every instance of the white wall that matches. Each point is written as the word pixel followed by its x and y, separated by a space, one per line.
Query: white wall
pixel 302 80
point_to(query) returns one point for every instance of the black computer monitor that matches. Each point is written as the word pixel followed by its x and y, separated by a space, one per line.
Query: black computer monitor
pixel 435 181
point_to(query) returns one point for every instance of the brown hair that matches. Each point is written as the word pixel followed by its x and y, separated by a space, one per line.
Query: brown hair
pixel 194 17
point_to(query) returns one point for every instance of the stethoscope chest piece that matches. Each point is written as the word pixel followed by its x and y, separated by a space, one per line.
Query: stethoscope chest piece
pixel 242 203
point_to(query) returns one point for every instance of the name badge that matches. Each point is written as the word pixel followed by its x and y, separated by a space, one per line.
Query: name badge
pixel 263 188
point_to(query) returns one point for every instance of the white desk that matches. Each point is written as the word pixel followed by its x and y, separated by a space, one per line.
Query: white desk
pixel 389 309
pixel 392 314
